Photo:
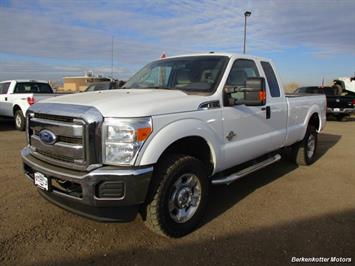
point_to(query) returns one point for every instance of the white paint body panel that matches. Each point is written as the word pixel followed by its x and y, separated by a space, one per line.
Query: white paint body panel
pixel 175 115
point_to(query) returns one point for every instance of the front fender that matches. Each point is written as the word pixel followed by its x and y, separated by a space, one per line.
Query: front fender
pixel 159 142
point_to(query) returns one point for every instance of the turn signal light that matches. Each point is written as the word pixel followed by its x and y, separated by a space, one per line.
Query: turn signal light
pixel 262 96
pixel 143 133
pixel 30 100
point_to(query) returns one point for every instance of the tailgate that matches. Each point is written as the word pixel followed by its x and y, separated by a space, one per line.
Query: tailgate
pixel 340 102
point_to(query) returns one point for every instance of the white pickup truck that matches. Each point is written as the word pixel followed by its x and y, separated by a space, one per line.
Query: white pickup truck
pixel 16 96
pixel 154 147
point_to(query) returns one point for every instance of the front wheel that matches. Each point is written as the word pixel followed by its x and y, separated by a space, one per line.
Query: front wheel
pixel 304 152
pixel 20 121
pixel 180 198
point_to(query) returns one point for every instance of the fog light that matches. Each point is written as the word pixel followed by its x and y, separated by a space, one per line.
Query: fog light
pixel 111 189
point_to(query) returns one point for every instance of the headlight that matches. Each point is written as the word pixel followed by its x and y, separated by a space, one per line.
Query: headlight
pixel 122 139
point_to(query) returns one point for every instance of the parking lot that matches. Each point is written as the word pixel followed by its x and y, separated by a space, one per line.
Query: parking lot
pixel 267 218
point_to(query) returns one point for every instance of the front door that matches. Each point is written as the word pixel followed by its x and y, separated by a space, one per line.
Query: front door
pixel 247 130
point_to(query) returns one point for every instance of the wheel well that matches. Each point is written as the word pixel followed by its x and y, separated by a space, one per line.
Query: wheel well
pixel 314 120
pixel 16 107
pixel 194 146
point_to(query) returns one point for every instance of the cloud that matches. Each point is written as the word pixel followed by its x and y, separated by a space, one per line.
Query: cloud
pixel 31 70
pixel 79 33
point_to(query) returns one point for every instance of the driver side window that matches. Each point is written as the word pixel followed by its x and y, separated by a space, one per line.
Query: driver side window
pixel 242 69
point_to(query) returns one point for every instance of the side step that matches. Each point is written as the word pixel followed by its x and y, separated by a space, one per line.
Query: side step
pixel 229 179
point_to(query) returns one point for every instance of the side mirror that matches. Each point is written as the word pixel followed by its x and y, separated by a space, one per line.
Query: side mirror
pixel 252 94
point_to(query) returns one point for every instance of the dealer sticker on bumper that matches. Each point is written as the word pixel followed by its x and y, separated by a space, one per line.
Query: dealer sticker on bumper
pixel 41 181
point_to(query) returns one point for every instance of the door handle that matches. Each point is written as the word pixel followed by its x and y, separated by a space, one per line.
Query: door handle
pixel 268 111
pixel 5 99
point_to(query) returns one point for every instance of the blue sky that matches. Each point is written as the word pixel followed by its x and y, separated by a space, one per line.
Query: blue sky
pixel 307 39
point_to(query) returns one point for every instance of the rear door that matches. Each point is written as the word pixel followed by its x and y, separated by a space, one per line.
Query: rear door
pixel 247 130
pixel 277 105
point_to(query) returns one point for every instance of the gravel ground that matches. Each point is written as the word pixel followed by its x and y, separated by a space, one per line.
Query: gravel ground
pixel 267 218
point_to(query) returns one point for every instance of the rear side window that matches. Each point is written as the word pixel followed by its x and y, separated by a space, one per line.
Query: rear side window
pixel 301 90
pixel 31 87
pixel 313 90
pixel 329 91
pixel 271 79
pixel 4 87
pixel 242 69
pixel 98 87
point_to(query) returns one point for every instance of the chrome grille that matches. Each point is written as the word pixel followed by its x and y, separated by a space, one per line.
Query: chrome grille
pixel 68 149
pixel 77 129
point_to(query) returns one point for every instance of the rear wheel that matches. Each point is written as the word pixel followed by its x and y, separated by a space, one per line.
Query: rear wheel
pixel 180 198
pixel 20 121
pixel 304 152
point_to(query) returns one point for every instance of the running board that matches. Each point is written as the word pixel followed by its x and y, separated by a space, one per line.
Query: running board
pixel 229 179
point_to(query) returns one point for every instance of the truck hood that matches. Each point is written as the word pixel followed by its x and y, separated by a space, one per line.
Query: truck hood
pixel 133 102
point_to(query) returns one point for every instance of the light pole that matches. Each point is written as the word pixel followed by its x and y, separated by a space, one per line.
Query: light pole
pixel 246 14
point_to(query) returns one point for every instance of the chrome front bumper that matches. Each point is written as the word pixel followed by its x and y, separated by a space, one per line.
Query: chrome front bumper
pixel 105 194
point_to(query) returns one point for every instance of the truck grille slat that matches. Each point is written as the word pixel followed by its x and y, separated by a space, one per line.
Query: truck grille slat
pixel 54 117
pixel 66 139
pixel 57 157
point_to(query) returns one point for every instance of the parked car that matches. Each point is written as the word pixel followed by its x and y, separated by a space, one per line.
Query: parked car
pixel 16 96
pixel 340 105
pixel 105 85
pixel 155 146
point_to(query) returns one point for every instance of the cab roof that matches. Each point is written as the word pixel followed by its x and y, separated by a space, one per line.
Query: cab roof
pixel 230 55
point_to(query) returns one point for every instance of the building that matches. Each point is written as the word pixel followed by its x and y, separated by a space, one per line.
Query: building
pixel 80 83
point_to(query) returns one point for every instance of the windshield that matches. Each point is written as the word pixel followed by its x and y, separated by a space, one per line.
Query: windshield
pixel 195 73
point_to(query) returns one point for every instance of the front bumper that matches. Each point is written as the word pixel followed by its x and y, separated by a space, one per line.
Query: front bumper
pixel 106 194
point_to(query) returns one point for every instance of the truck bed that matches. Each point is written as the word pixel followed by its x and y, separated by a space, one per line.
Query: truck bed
pixel 298 108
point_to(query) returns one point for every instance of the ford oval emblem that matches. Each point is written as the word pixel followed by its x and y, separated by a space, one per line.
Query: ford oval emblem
pixel 47 137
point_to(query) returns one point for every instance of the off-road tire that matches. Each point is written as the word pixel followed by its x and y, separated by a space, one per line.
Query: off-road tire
pixel 20 121
pixel 157 217
pixel 299 150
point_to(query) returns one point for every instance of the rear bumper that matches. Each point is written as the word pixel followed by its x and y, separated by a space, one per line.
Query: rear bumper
pixel 106 194
pixel 340 110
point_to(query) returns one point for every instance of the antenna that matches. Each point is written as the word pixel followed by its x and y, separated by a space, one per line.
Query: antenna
pixel 112 59
pixel 118 61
